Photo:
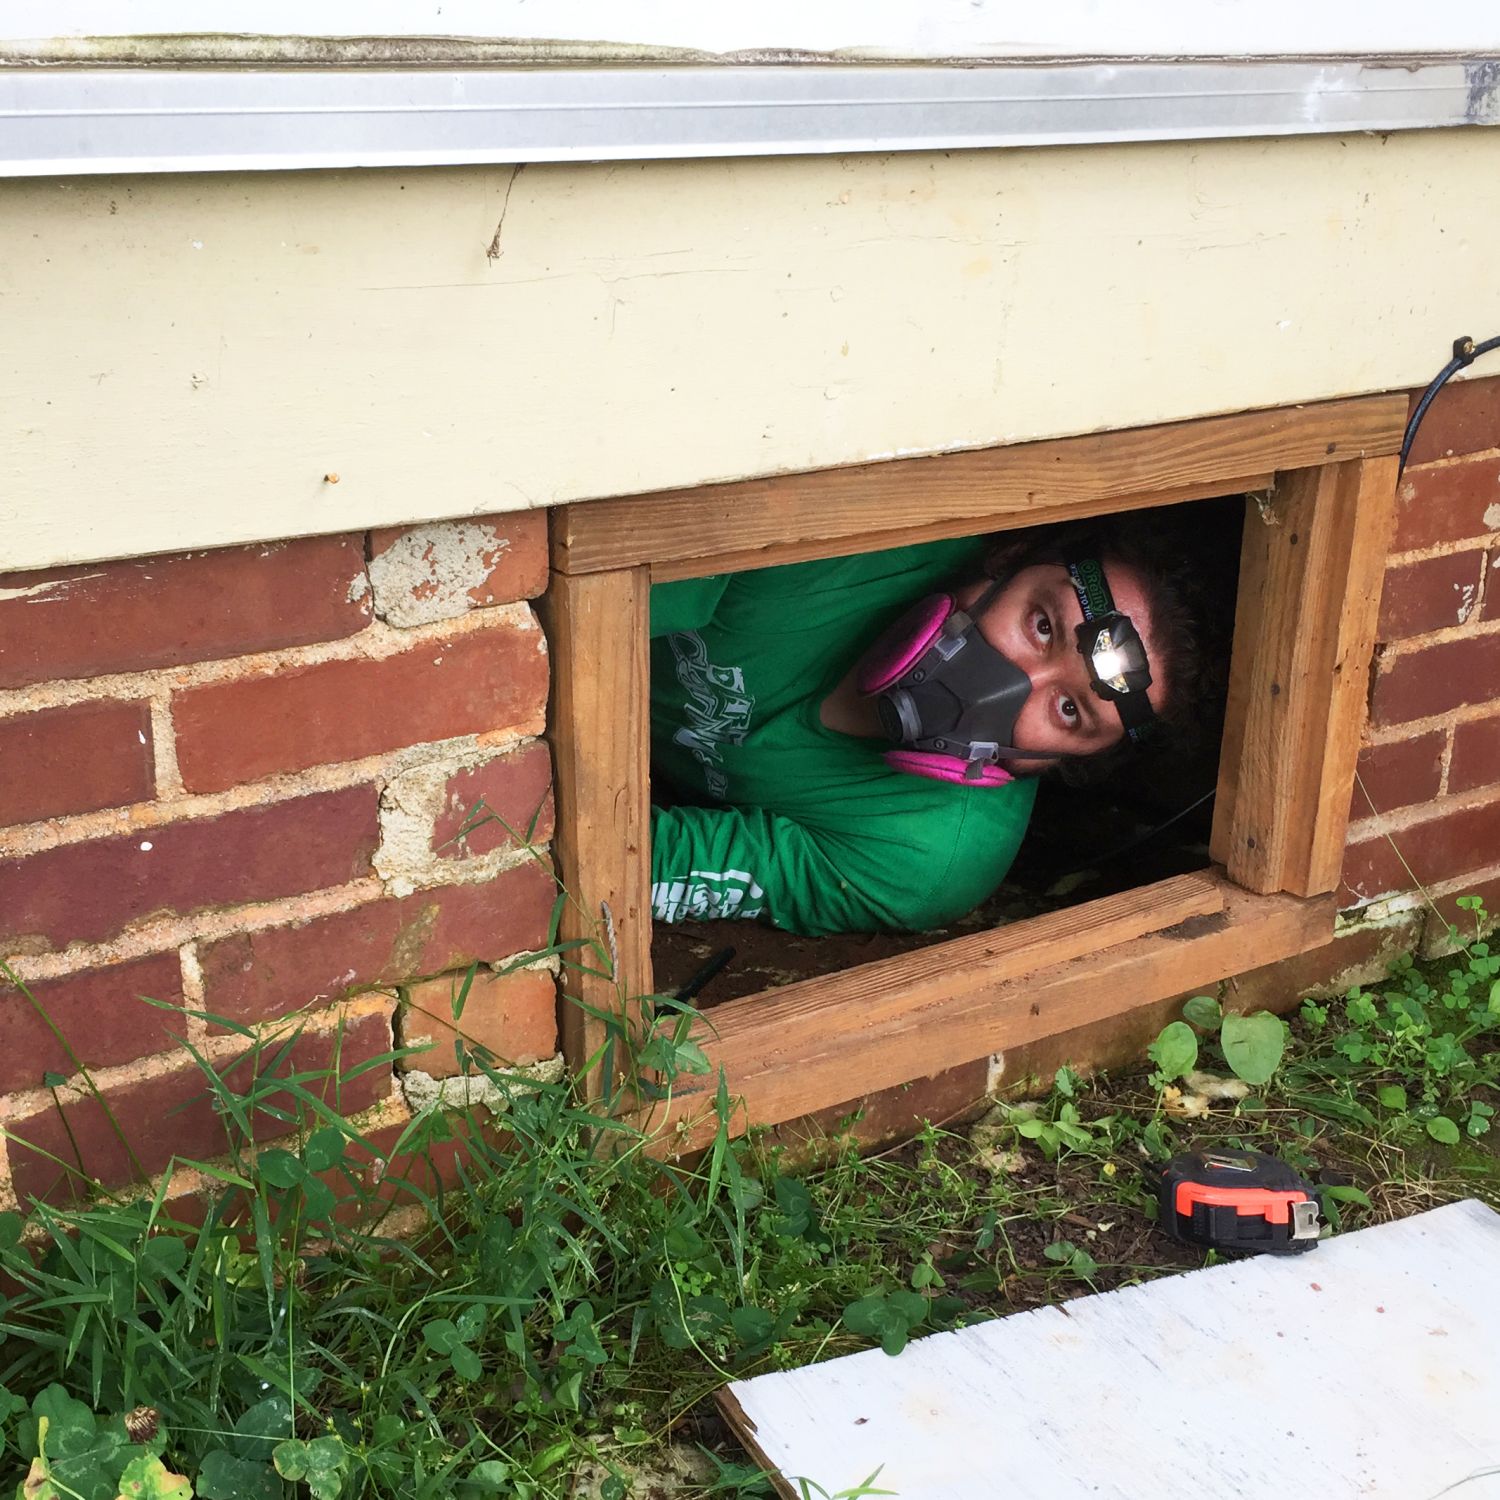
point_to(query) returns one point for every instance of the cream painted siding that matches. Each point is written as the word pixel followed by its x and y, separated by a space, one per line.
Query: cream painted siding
pixel 189 357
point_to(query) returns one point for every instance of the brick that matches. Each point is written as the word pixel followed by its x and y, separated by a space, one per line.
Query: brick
pixel 446 568
pixel 172 1114
pixel 514 791
pixel 1434 680
pixel 1439 849
pixel 1399 774
pixel 1436 593
pixel 1476 756
pixel 229 733
pixel 1448 502
pixel 253 975
pixel 1465 418
pixel 89 891
pixel 99 1011
pixel 164 611
pixel 1491 609
pixel 161 1117
pixel 446 1156
pixel 74 760
pixel 511 1017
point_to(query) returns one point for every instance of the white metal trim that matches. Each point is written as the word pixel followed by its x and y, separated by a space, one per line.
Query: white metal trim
pixel 66 121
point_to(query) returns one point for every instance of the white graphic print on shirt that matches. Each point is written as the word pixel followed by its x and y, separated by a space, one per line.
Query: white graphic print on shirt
pixel 717 711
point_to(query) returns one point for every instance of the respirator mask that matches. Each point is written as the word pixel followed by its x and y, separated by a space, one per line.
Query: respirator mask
pixel 950 700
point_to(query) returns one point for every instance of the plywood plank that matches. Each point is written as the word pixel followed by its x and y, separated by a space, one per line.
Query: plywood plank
pixel 1311 565
pixel 1023 481
pixel 795 549
pixel 825 1042
pixel 1368 1367
pixel 597 630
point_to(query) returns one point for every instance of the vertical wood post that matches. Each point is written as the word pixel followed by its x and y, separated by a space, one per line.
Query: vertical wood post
pixel 1310 578
pixel 598 637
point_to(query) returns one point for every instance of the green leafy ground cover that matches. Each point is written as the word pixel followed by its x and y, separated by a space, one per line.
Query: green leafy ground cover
pixel 561 1326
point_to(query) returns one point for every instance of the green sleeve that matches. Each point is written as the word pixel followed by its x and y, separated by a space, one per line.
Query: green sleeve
pixel 710 862
pixel 687 604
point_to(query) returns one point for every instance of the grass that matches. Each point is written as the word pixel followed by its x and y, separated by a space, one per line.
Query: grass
pixel 560 1325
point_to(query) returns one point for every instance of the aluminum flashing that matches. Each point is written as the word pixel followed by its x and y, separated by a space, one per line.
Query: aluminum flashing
pixel 63 121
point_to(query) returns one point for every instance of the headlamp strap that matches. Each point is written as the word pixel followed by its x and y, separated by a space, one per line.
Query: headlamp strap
pixel 1113 649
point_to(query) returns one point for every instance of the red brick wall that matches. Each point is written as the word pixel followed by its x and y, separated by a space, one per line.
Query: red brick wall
pixel 232 781
pixel 1429 807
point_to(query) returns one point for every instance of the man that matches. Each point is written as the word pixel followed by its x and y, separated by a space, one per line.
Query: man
pixel 851 748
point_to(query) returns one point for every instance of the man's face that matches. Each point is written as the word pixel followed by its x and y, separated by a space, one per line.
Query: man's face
pixel 1033 621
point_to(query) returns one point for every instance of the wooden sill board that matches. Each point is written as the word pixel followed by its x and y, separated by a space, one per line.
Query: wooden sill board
pixel 823 1042
pixel 747 523
pixel 1369 1367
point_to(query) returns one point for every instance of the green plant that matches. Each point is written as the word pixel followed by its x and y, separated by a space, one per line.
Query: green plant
pixel 576 1298
pixel 1421 1047
pixel 1251 1046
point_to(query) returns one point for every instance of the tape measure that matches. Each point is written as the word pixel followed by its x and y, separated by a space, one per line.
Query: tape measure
pixel 1241 1202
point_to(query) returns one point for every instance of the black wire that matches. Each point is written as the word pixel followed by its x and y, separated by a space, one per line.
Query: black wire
pixel 1120 851
pixel 1465 352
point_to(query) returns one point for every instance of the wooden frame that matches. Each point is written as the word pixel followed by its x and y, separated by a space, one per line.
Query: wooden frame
pixel 1322 480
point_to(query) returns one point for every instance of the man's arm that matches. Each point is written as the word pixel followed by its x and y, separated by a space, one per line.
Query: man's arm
pixel 709 862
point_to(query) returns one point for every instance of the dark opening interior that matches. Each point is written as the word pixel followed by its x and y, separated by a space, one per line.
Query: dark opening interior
pixel 1147 819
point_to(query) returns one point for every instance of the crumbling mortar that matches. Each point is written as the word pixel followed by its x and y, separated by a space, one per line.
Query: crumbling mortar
pixel 1381 822
pixel 1469 630
pixel 375 642
pixel 34 838
pixel 411 804
pixel 314 1022
pixel 195 1028
pixel 1447 461
pixel 1393 903
pixel 1410 729
pixel 423 1092
pixel 157 934
pixel 1477 543
pixel 182 1180
pixel 166 774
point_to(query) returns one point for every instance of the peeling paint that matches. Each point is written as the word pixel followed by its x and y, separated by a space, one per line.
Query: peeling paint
pixel 434 572
pixel 1492 516
pixel 1466 600
pixel 54 591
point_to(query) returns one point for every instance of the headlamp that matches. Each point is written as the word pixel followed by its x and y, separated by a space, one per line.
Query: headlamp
pixel 1113 649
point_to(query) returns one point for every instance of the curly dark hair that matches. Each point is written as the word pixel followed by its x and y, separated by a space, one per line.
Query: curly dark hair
pixel 1188 558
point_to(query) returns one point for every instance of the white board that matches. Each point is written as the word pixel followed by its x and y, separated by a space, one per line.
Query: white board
pixel 866 28
pixel 1369 1367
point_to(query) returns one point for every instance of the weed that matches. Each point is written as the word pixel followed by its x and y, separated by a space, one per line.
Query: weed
pixel 569 1308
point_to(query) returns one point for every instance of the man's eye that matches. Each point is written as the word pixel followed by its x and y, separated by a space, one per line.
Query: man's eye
pixel 1069 710
pixel 1044 627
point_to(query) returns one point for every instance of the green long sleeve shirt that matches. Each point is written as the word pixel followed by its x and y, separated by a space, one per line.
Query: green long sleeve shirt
pixel 782 817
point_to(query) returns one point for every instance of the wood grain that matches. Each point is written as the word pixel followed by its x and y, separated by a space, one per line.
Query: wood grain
pixel 597 631
pixel 1024 481
pixel 1310 576
pixel 794 549
pixel 826 1042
